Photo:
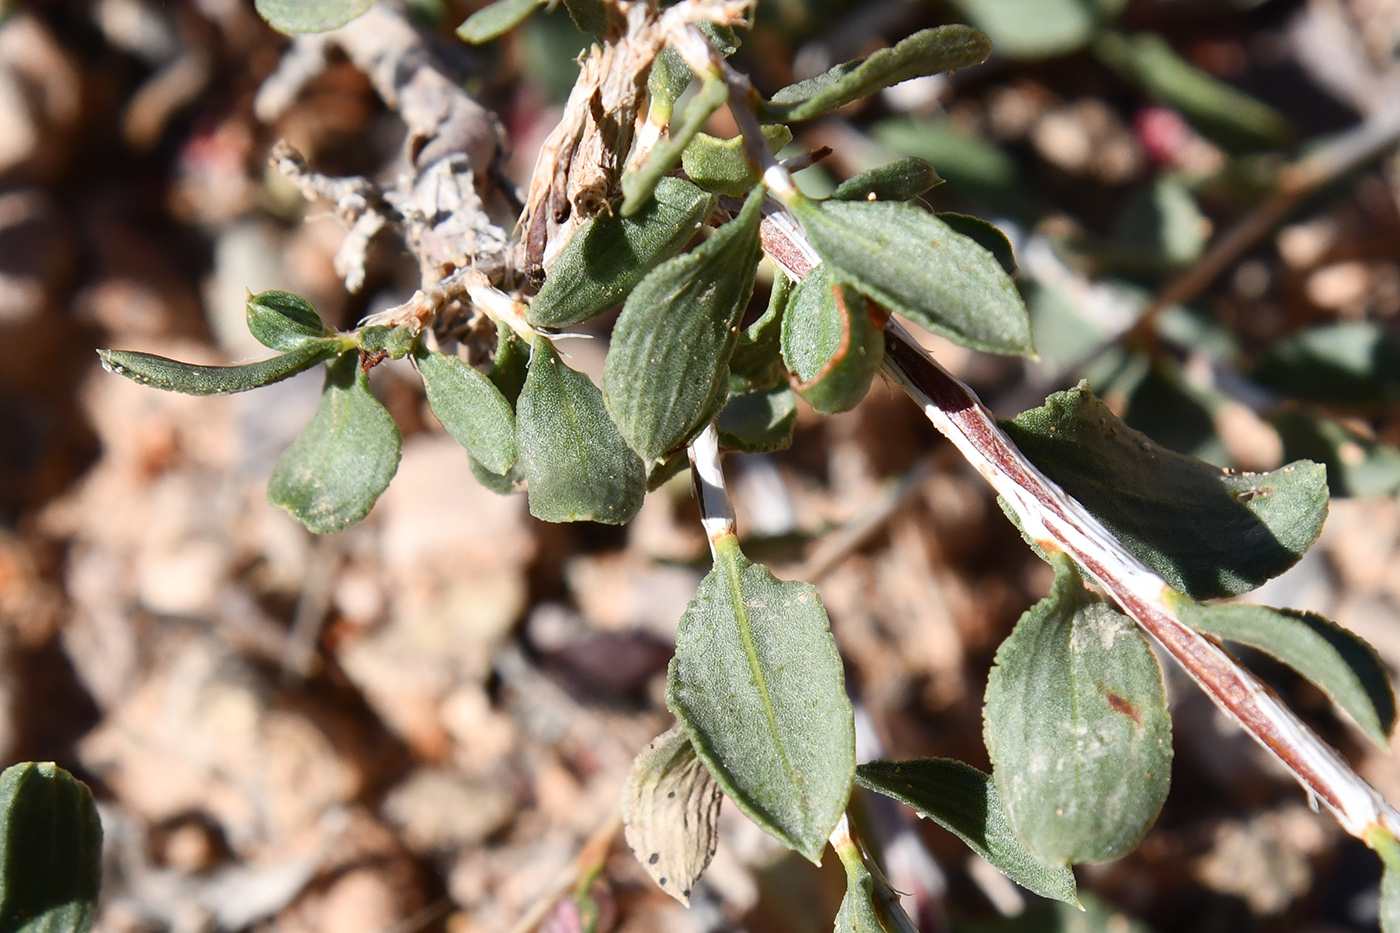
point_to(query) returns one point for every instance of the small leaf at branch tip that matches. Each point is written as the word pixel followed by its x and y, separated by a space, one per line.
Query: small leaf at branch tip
pixel 496 20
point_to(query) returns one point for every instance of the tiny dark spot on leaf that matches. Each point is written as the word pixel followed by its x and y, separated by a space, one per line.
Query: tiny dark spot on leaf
pixel 655 857
pixel 1120 705
pixel 661 881
pixel 670 794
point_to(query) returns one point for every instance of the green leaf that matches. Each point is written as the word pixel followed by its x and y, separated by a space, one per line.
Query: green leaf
pixel 576 464
pixel 901 180
pixel 590 16
pixel 758 422
pixel 985 235
pixel 757 683
pixel 667 81
pixel 916 265
pixel 670 813
pixel 1162 226
pixel 508 372
pixel 332 474
pixel 1347 363
pixel 965 802
pixel 471 408
pixel 1077 728
pixel 1225 113
pixel 757 359
pixel 930 51
pixel 719 165
pixel 1356 465
pixel 637 186
pixel 830 344
pixel 1337 662
pixel 298 16
pixel 1388 848
pixel 50 851
pixel 606 258
pixel 174 376
pixel 496 20
pixel 670 349
pixel 1032 28
pixel 1208 532
pixel 282 321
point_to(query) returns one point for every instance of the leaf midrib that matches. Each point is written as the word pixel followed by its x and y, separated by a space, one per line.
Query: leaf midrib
pixel 741 618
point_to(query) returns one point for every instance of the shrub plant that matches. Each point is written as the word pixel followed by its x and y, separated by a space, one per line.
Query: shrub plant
pixel 1143 541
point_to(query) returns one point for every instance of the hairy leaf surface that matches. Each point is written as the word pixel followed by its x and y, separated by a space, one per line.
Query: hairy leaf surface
pixel 332 474
pixel 191 379
pixel 1077 728
pixel 576 464
pixel 50 851
pixel 610 254
pixel 758 684
pixel 830 344
pixel 916 265
pixel 928 52
pixel 965 802
pixel 900 180
pixel 1208 532
pixel 283 321
pixel 470 408
pixel 1337 662
pixel 669 356
pixel 670 813
pixel 719 165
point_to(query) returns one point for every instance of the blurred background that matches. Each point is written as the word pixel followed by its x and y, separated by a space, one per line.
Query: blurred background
pixel 423 723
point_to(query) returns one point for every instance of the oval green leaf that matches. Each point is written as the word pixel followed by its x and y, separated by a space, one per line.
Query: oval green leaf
pixel 916 265
pixel 670 813
pixel 50 851
pixel 1337 662
pixel 332 474
pixel 719 165
pixel 1077 728
pixel 670 350
pixel 1033 28
pixel 283 321
pixel 1208 532
pixel 496 20
pixel 965 802
pixel 174 376
pixel 1346 363
pixel 292 17
pixel 830 344
pixel 470 408
pixel 757 683
pixel 901 180
pixel 931 51
pixel 758 422
pixel 576 464
pixel 606 258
